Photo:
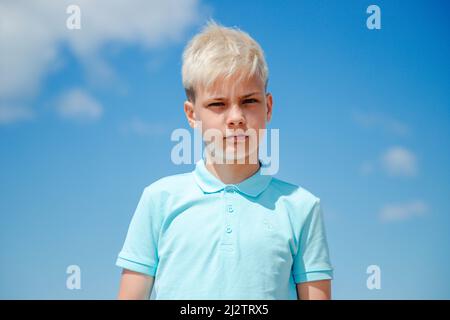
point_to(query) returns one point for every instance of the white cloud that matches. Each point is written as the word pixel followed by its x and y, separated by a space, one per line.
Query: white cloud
pixel 395 161
pixel 381 122
pixel 77 104
pixel 10 114
pixel 403 211
pixel 399 161
pixel 33 33
pixel 366 168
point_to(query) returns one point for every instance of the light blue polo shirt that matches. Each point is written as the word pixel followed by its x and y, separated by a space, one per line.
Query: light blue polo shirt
pixel 203 239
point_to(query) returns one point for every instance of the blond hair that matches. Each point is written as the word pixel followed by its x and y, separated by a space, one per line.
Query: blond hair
pixel 219 51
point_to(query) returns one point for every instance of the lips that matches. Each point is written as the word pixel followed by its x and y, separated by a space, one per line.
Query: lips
pixel 239 137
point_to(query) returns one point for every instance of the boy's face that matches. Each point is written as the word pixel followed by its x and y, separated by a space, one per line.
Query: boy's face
pixel 234 111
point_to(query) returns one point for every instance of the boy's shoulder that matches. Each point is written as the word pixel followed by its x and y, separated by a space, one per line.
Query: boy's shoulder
pixel 293 193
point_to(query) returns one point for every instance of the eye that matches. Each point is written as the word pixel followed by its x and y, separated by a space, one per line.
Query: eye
pixel 250 101
pixel 216 104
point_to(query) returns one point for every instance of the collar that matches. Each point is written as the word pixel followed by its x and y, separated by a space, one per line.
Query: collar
pixel 252 186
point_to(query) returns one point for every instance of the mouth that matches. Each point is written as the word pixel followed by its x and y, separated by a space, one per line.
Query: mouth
pixel 237 138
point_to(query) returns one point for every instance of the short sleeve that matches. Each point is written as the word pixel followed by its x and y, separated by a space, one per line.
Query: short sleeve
pixel 312 260
pixel 139 252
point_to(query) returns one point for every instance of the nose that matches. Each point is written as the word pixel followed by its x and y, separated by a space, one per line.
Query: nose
pixel 236 118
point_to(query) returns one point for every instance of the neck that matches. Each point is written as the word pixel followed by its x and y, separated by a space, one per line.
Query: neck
pixel 232 173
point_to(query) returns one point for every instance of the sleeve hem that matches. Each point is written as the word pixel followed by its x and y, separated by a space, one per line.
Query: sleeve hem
pixel 313 276
pixel 136 266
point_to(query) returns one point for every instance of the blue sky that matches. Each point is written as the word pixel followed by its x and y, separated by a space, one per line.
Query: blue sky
pixel 86 117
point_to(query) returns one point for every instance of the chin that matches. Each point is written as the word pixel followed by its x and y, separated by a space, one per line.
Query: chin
pixel 232 154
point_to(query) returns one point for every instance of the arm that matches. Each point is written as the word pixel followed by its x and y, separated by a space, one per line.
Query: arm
pixel 135 286
pixel 314 290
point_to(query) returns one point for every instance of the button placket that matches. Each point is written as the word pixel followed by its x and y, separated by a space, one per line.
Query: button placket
pixel 229 237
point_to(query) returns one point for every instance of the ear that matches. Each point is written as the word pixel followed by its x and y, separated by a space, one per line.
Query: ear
pixel 190 113
pixel 269 103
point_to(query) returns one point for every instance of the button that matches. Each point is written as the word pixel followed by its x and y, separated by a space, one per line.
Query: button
pixel 229 189
pixel 229 229
pixel 230 209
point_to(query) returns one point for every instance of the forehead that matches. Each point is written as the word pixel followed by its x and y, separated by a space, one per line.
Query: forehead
pixel 235 85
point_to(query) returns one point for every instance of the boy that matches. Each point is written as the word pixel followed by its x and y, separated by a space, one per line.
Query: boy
pixel 225 230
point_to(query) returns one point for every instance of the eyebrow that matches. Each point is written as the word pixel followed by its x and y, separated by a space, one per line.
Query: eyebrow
pixel 242 97
pixel 250 94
